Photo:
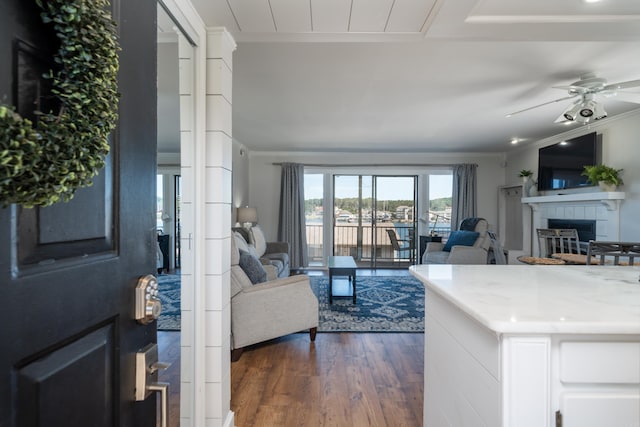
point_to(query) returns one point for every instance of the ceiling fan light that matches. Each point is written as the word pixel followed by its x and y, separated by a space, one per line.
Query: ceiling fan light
pixel 588 108
pixel 572 112
pixel 599 112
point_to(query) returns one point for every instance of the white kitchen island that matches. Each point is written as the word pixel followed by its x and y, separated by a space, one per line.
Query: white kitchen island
pixel 531 345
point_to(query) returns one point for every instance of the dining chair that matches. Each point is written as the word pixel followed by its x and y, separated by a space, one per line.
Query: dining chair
pixel 558 240
pixel 616 250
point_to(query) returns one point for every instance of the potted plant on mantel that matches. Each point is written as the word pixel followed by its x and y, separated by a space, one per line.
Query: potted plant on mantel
pixel 606 177
pixel 525 174
pixel 530 188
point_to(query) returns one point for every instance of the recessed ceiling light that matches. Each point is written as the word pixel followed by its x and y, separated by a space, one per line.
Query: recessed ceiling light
pixel 515 141
pixel 591 1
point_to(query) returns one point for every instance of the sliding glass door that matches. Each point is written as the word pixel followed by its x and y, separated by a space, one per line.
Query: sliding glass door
pixel 374 219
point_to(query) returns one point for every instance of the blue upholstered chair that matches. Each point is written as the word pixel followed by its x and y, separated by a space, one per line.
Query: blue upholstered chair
pixel 467 245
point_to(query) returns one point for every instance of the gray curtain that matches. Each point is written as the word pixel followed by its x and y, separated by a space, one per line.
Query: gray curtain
pixel 464 196
pixel 292 227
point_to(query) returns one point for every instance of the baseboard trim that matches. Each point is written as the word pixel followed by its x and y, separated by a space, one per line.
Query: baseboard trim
pixel 229 420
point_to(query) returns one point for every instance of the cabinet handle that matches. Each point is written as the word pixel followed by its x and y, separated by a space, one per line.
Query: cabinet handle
pixel 558 419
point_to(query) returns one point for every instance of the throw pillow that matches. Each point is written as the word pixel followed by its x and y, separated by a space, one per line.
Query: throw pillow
pixel 252 268
pixel 252 250
pixel 259 240
pixel 461 238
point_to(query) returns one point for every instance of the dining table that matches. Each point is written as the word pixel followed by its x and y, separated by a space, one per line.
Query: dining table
pixel 575 259
pixel 581 259
pixel 535 260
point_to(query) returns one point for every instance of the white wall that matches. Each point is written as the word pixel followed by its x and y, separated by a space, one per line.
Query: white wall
pixel 264 176
pixel 240 173
pixel 240 179
pixel 620 149
pixel 168 98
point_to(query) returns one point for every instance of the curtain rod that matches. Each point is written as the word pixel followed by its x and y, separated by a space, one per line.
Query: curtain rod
pixel 372 165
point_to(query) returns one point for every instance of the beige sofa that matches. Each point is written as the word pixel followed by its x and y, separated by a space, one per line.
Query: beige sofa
pixel 270 309
pixel 273 255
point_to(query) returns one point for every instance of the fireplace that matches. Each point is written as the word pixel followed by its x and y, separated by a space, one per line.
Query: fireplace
pixel 595 215
pixel 586 227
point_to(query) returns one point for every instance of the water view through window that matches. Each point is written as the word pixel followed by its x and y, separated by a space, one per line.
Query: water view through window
pixel 373 218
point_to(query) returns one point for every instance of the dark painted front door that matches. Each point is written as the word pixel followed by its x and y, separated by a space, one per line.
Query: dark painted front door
pixel 67 272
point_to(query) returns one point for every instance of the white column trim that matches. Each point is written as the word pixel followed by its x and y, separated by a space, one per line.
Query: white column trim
pixel 526 387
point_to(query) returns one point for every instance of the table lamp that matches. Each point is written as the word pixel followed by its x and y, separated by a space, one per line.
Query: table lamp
pixel 247 216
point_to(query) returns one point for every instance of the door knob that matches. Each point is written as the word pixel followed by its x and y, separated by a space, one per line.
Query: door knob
pixel 147 367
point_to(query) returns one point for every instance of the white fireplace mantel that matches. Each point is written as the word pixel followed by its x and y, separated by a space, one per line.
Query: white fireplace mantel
pixel 610 199
pixel 601 206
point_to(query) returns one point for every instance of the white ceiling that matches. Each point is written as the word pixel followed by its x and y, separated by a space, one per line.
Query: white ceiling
pixel 417 75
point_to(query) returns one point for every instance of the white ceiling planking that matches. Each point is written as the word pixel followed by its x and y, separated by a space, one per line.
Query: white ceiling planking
pixel 370 15
pixel 331 16
pixel 347 85
pixel 291 16
pixel 221 11
pixel 555 11
pixel 409 15
pixel 253 16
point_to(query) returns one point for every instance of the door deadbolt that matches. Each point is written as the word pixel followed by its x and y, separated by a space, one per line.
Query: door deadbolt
pixel 148 305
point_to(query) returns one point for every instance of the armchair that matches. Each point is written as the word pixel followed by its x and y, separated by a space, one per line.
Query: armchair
pixel 270 309
pixel 465 252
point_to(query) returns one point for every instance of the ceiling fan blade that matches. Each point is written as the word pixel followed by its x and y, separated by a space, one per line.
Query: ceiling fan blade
pixel 542 105
pixel 572 89
pixel 622 85
pixel 632 97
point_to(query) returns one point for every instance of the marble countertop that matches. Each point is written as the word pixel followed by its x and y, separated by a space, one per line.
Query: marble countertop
pixel 539 298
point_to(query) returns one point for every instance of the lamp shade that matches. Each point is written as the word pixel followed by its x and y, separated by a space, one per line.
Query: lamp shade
pixel 247 214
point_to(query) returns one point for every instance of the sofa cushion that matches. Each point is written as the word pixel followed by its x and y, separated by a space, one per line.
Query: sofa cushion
pixel 252 267
pixel 252 250
pixel 259 241
pixel 278 264
pixel 240 242
pixel 436 257
pixel 462 238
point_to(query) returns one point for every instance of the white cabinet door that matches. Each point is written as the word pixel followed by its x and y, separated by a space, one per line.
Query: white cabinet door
pixel 600 409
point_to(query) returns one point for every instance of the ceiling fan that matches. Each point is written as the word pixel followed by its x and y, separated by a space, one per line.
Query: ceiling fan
pixel 585 108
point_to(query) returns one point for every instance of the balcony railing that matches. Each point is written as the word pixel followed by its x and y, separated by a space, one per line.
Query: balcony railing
pixel 346 242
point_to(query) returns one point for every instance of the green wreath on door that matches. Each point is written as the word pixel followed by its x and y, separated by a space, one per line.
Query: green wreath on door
pixel 44 164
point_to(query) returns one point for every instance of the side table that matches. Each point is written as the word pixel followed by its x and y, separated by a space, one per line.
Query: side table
pixel 423 244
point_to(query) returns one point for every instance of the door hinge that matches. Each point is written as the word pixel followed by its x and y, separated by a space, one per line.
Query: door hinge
pixel 558 419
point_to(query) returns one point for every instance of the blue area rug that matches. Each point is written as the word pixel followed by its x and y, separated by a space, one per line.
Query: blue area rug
pixel 383 304
pixel 169 293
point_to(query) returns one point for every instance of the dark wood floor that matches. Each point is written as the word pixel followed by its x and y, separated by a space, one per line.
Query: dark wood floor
pixel 169 352
pixel 342 379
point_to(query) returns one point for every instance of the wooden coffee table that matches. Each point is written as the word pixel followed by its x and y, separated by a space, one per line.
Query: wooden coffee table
pixel 342 266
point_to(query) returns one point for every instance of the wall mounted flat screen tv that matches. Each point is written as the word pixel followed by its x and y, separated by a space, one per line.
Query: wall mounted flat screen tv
pixel 560 165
